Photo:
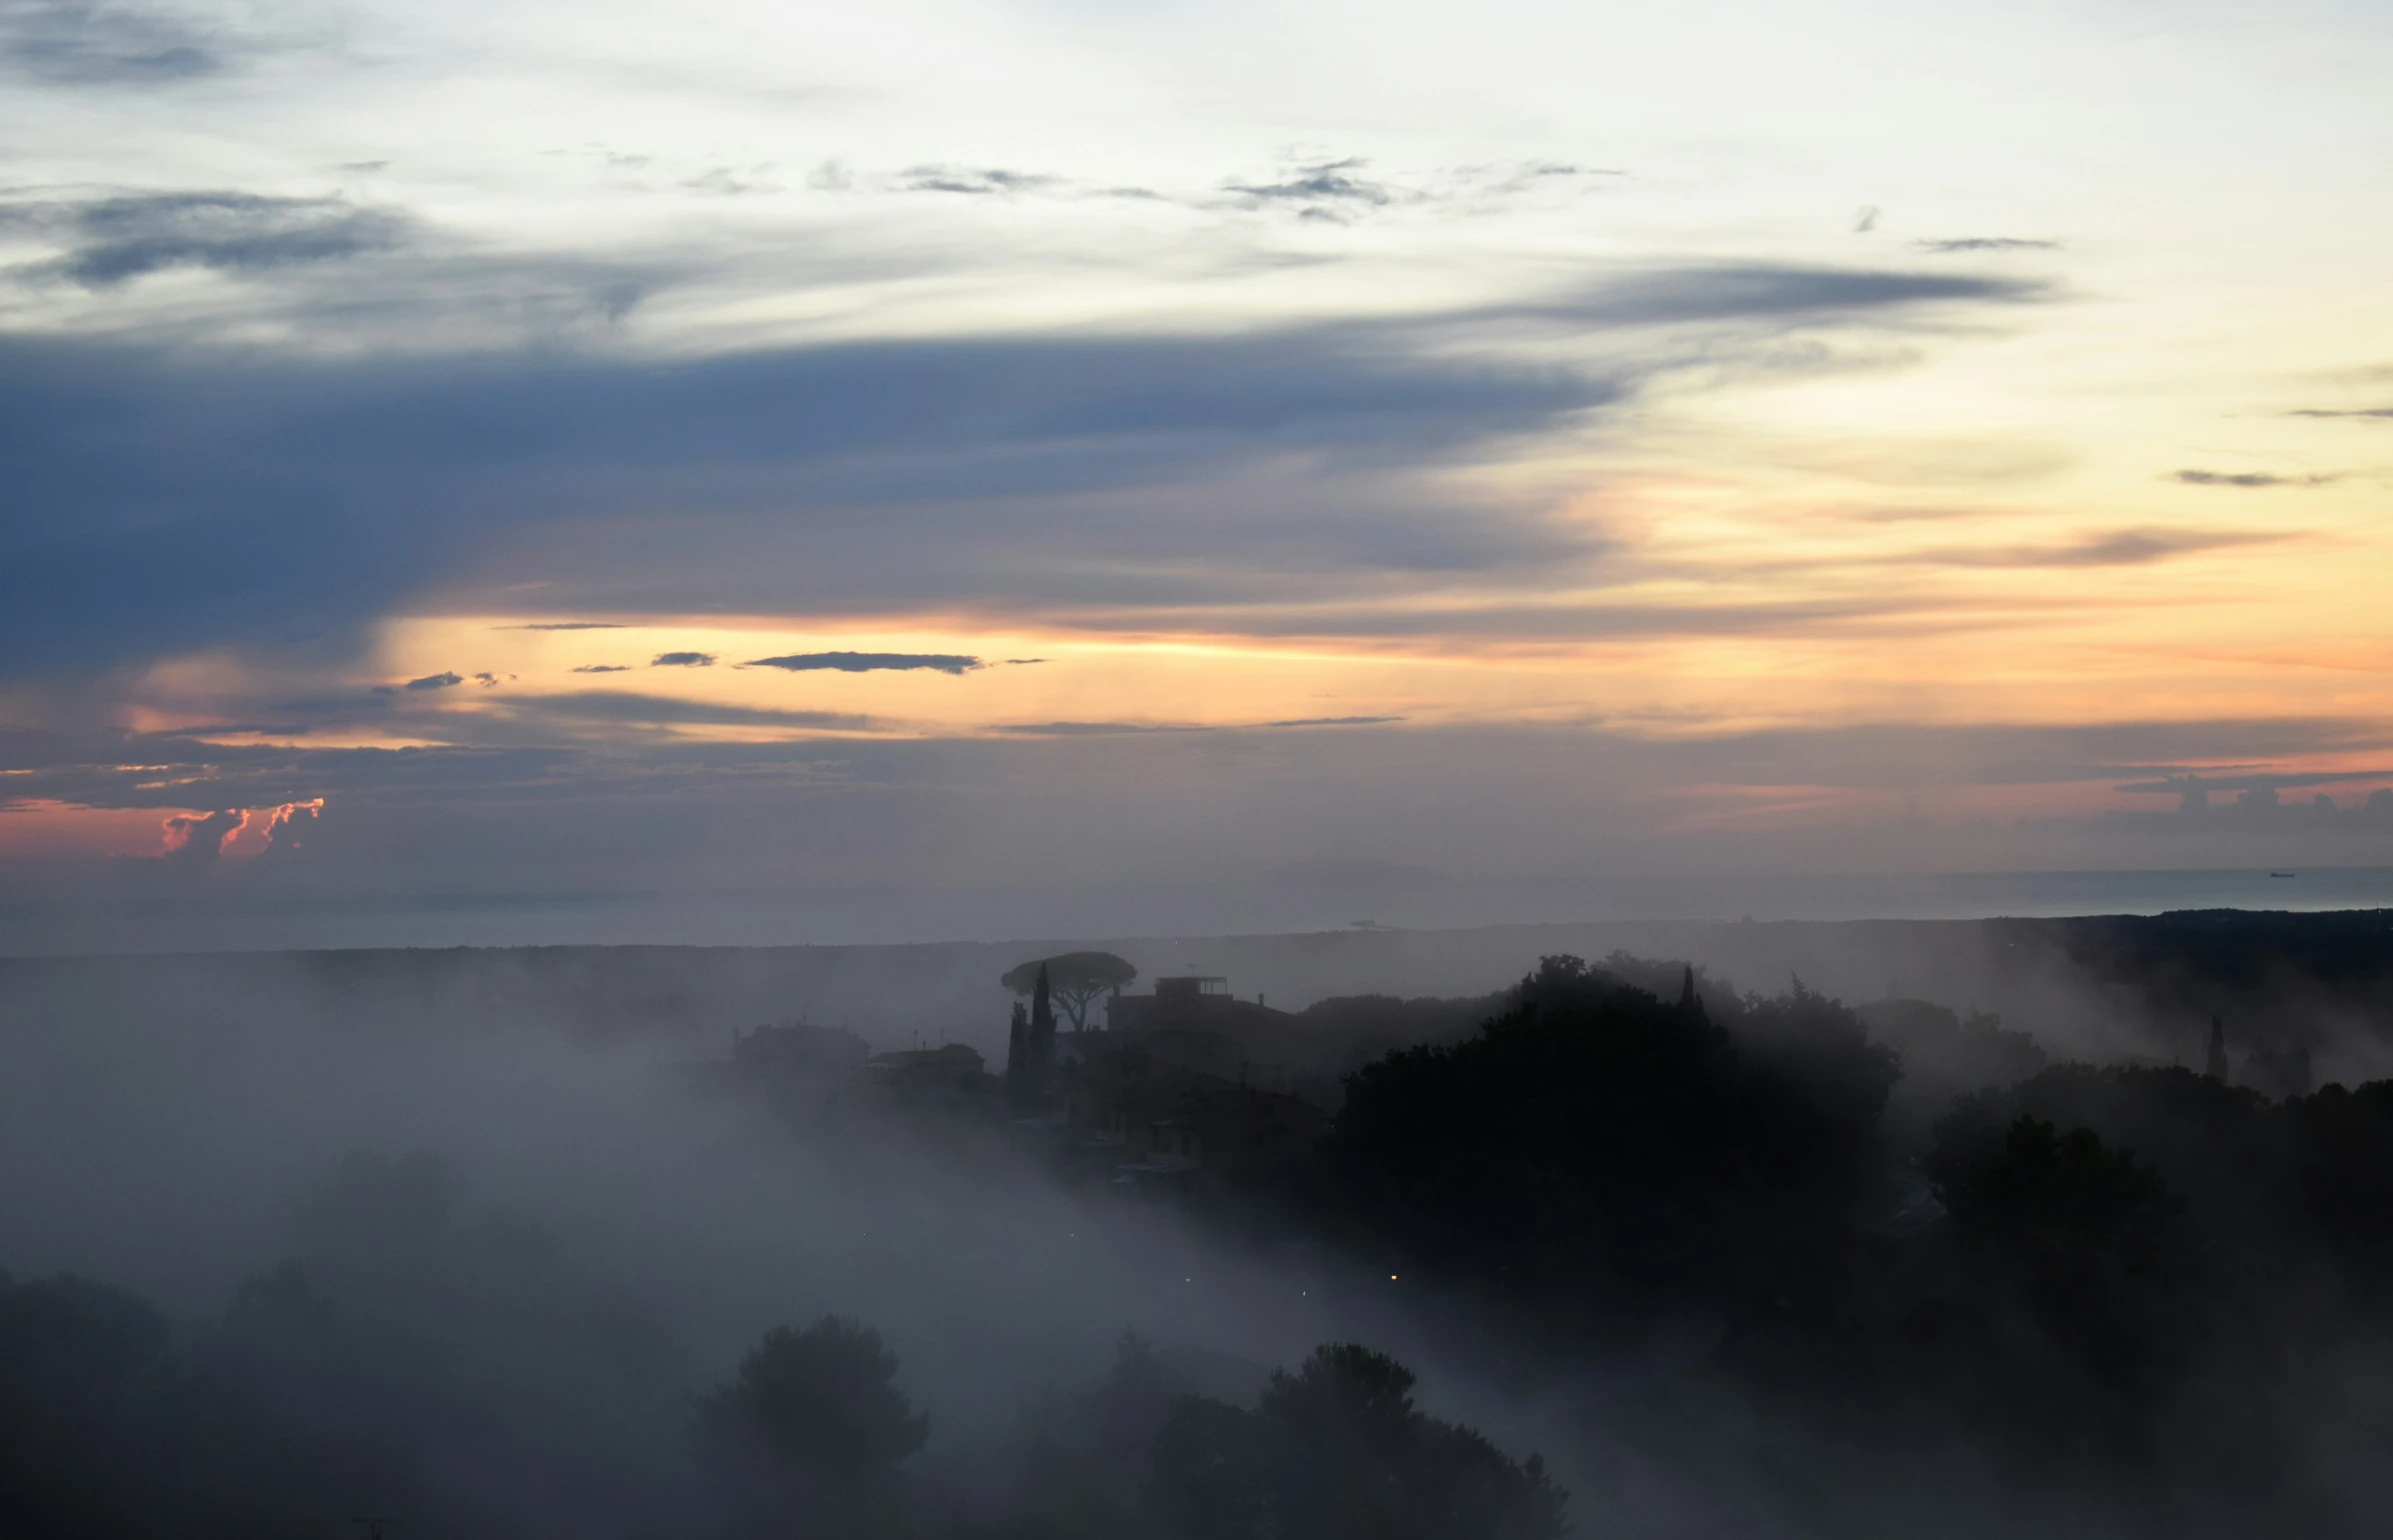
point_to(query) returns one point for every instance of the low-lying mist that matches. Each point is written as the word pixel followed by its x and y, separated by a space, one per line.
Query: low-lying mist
pixel 591 1228
pixel 492 1243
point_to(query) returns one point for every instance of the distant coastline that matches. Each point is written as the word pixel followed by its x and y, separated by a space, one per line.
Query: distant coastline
pixel 1398 899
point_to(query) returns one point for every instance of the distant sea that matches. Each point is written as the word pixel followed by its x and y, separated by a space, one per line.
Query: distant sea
pixel 1297 900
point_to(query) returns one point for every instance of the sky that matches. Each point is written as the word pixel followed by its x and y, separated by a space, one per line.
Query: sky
pixel 963 448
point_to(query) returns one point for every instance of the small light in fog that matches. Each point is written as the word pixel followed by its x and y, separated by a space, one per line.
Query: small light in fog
pixel 1391 1277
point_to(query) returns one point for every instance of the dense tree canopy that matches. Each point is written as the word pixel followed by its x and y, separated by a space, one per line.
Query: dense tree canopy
pixel 812 1430
pixel 1337 1451
pixel 1597 1152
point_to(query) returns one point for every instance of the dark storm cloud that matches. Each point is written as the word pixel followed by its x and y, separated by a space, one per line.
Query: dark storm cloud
pixel 75 42
pixel 868 662
pixel 1977 243
pixel 171 498
pixel 116 239
pixel 682 660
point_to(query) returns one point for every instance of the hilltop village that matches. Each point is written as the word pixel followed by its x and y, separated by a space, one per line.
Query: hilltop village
pixel 1185 1086
pixel 1157 1091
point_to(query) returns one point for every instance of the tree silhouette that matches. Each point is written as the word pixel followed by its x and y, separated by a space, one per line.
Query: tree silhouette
pixel 1078 979
pixel 1337 1451
pixel 82 1367
pixel 1593 1153
pixel 810 1432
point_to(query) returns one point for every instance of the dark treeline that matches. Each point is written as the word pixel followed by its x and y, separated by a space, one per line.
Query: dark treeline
pixel 295 1416
pixel 2065 1299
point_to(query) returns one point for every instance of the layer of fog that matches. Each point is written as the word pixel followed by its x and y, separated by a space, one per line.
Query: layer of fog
pixel 166 1146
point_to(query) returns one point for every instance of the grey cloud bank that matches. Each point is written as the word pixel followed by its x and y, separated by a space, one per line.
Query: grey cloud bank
pixel 122 238
pixel 81 43
pixel 289 499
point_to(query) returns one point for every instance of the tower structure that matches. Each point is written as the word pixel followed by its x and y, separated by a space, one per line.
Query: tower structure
pixel 1030 1046
pixel 1017 1048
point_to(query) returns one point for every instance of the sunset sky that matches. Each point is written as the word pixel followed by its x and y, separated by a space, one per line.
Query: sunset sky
pixel 573 449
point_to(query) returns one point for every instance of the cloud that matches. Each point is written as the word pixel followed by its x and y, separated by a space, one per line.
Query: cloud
pixel 732 182
pixel 2379 413
pixel 77 42
pixel 1321 189
pixel 566 625
pixel 567 793
pixel 1782 291
pixel 1970 243
pixel 1114 729
pixel 682 660
pixel 1865 219
pixel 435 682
pixel 114 240
pixel 281 498
pixel 603 668
pixel 2246 479
pixel 2110 548
pixel 631 709
pixel 2196 782
pixel 1098 729
pixel 288 826
pixel 867 662
pixel 975 181
pixel 197 840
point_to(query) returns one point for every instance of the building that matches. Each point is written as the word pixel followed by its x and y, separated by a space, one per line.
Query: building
pixel 1192 1002
pixel 1193 1022
pixel 951 1077
pixel 1158 1116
